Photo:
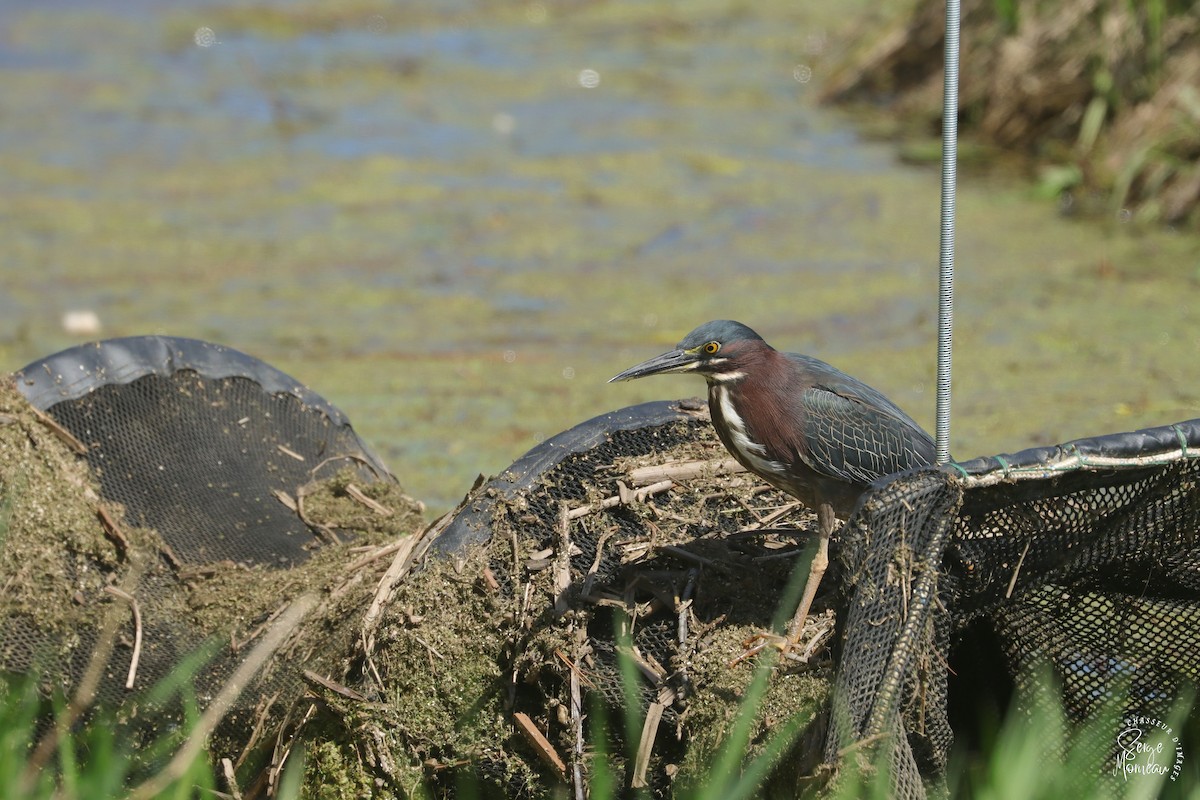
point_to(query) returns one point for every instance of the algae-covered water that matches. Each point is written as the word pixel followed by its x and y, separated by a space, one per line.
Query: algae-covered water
pixel 457 219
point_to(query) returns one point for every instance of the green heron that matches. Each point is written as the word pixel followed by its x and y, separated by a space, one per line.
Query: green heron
pixel 800 424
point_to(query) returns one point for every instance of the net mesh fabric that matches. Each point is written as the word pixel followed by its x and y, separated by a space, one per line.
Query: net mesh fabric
pixel 201 461
pixel 199 454
pixel 635 570
pixel 1083 558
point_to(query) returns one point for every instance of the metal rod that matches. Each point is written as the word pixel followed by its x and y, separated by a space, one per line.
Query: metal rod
pixel 946 247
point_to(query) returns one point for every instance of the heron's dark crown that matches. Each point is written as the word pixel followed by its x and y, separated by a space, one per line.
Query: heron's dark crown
pixel 721 331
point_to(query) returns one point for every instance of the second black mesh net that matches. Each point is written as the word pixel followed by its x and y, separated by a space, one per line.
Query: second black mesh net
pixel 1077 563
pixel 590 612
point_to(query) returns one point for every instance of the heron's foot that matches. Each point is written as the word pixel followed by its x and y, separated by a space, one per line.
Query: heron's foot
pixel 799 647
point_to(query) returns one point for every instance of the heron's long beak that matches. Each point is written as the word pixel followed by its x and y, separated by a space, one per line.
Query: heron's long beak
pixel 674 361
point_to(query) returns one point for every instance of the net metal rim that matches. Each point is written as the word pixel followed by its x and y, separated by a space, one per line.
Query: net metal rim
pixel 76 371
pixel 471 521
pixel 1142 448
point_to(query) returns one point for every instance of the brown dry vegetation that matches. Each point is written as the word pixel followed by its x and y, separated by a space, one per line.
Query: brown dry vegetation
pixel 1101 94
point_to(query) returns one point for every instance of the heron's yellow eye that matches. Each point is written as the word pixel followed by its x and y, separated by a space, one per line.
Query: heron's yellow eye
pixel 712 347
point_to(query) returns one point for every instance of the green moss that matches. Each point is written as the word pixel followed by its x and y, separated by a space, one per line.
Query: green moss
pixel 721 698
pixel 55 559
pixel 331 772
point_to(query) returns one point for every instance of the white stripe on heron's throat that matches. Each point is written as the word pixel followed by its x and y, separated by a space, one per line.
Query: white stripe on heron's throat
pixel 726 377
pixel 752 451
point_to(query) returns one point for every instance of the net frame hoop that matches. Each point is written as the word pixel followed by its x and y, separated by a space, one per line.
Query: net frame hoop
pixel 1071 461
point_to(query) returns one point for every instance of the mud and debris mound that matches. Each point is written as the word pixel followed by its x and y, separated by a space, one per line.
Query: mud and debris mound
pixel 1100 93
pixel 604 628
pixel 601 630
pixel 86 588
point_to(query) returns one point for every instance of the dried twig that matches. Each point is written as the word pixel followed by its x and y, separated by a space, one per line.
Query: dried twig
pixel 286 499
pixel 683 608
pixel 432 650
pixel 289 452
pixel 684 470
pixel 822 634
pixel 377 553
pixel 113 531
pixel 626 497
pixel 282 751
pixel 230 779
pixel 515 549
pixel 319 528
pixel 577 724
pixel 576 673
pixel 357 494
pixel 523 620
pixel 683 605
pixel 85 690
pixel 347 457
pixel 648 666
pixel 336 688
pixel 782 511
pixel 262 715
pixel 562 561
pixel 137 631
pixel 662 513
pixel 489 579
pixel 590 578
pixel 196 741
pixel 646 744
pixel 169 556
pixel 540 743
pixel 1012 582
pixel 401 564
pixel 77 447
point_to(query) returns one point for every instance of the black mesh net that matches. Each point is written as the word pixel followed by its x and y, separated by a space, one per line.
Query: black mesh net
pixel 1081 560
pixel 197 442
pixel 672 565
pixel 203 458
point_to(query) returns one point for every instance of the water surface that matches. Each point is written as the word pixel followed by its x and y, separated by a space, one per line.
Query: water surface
pixel 456 220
